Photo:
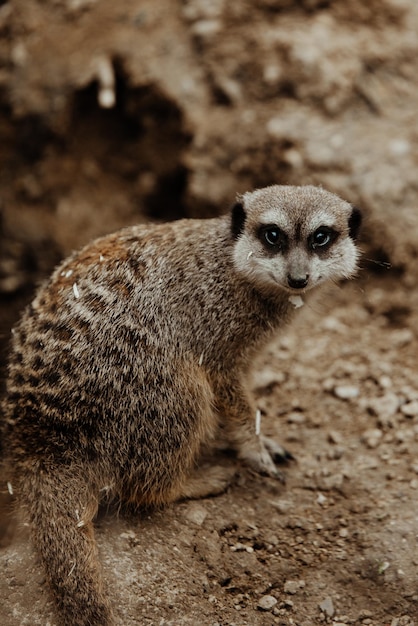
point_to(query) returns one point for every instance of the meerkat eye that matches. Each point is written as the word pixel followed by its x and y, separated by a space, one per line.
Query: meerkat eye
pixel 322 238
pixel 273 237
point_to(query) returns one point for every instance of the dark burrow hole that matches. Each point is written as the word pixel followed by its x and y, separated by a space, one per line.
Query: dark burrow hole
pixel 140 142
pixel 142 137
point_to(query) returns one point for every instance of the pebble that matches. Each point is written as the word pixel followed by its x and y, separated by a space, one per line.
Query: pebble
pixel 346 392
pixel 401 337
pixel 336 453
pixel 276 128
pixel 333 324
pixel 195 513
pixel 365 613
pixel 206 29
pixel 272 73
pixel 293 586
pixel 372 437
pixel 385 406
pixel 410 409
pixel 405 620
pixel 269 378
pixel 284 506
pixel 334 436
pixel 266 603
pixel 327 606
pixel 399 147
pixel 385 381
pixel 321 499
pixel 296 418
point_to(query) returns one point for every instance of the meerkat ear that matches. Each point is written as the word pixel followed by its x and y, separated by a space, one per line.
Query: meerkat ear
pixel 238 217
pixel 354 222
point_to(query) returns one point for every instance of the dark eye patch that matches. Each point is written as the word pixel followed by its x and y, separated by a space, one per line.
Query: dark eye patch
pixel 322 238
pixel 273 238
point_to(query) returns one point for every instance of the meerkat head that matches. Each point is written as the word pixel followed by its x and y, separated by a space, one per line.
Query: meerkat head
pixel 294 238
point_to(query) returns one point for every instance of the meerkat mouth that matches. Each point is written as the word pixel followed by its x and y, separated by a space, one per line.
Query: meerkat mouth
pixel 292 291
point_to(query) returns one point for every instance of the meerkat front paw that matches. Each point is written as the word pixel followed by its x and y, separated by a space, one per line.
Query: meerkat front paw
pixel 262 456
pixel 276 451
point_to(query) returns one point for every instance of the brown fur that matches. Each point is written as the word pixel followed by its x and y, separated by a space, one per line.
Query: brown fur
pixel 130 358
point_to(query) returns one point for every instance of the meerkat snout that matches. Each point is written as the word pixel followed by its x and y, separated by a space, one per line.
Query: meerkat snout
pixel 297 283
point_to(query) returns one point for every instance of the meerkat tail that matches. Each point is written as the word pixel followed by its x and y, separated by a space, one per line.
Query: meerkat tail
pixel 60 515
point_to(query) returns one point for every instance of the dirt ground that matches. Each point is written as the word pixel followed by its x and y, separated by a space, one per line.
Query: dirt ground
pixel 211 99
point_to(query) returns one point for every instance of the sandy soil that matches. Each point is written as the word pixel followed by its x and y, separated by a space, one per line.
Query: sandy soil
pixel 211 99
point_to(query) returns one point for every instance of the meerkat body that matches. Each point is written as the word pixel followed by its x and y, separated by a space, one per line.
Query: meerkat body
pixel 135 353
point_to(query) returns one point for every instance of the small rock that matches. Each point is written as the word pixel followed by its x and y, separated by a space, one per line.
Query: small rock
pixel 296 418
pixel 266 603
pixel 284 506
pixel 399 147
pixel 328 384
pixel 385 406
pixel 293 586
pixel 272 73
pixel 327 606
pixel 372 437
pixel 333 324
pixel 385 381
pixel 335 481
pixel 335 453
pixel 334 436
pixel 410 409
pixel 241 547
pixel 346 392
pixel 206 29
pixel 277 128
pixel 195 513
pixel 268 378
pixel 401 337
pixel 321 499
pixel 411 393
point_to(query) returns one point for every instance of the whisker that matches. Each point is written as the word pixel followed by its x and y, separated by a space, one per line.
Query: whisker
pixel 384 264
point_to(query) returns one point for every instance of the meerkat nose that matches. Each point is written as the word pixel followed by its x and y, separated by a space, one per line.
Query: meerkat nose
pixel 297 283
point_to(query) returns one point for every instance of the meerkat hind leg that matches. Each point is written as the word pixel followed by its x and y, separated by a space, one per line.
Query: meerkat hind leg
pixel 206 482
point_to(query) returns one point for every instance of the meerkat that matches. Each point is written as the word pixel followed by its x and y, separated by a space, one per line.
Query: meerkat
pixel 135 353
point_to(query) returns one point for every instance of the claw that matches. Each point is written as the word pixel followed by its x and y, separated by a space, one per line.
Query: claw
pixel 278 454
pixel 283 458
pixel 262 454
pixel 280 476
